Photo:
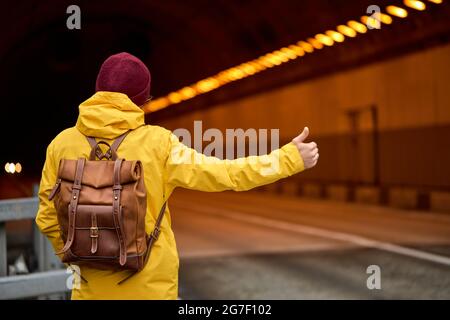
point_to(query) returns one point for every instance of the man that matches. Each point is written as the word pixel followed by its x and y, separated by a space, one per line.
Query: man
pixel 123 85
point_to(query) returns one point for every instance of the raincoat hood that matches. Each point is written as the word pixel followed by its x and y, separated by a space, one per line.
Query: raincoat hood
pixel 108 114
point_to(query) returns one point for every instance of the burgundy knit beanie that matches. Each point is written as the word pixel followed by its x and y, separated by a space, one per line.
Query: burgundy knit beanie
pixel 126 74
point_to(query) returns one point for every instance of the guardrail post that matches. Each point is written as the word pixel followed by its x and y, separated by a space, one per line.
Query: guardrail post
pixel 39 248
pixel 39 244
pixel 3 254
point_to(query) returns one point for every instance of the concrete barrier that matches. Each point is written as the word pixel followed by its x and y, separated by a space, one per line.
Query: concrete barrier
pixel 367 194
pixel 440 201
pixel 337 192
pixel 405 198
pixel 311 190
pixel 290 187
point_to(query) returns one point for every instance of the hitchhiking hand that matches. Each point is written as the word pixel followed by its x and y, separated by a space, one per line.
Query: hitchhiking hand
pixel 308 151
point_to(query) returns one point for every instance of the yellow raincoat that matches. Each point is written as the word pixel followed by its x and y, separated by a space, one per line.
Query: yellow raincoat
pixel 167 164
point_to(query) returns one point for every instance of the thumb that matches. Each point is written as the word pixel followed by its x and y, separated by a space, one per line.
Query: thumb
pixel 303 135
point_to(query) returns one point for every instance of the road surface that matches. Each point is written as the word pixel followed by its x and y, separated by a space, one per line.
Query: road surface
pixel 257 245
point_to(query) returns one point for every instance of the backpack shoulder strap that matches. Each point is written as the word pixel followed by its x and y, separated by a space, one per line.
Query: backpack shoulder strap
pixel 156 231
pixel 112 151
pixel 76 188
pixel 91 141
pixel 119 140
pixel 151 239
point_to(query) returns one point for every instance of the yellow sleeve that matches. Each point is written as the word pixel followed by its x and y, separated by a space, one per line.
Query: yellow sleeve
pixel 46 218
pixel 189 169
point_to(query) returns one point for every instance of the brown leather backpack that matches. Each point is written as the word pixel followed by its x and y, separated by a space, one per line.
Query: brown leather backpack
pixel 101 207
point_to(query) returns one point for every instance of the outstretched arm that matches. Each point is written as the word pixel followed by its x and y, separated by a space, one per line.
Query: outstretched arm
pixel 189 169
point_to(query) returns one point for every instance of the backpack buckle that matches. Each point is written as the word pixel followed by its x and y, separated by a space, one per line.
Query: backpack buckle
pixel 155 233
pixel 94 232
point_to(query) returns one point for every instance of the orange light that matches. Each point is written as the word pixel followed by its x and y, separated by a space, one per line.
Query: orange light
pixel 247 68
pixel 174 97
pixel 257 65
pixel 236 73
pixel 436 1
pixel 336 36
pixel 187 93
pixel 224 76
pixel 374 20
pixel 299 51
pixel 371 22
pixel 326 40
pixel 211 83
pixel 386 19
pixel 359 27
pixel 306 46
pixel 347 31
pixel 265 62
pixel 157 104
pixel 415 4
pixel 315 43
pixel 273 59
pixel 280 56
pixel 397 11
pixel 288 52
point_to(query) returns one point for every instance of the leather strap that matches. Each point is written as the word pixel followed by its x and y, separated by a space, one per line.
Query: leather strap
pixel 111 153
pixel 117 212
pixel 76 187
pixel 156 231
pixel 97 152
pixel 94 233
pixel 151 240
pixel 92 141
pixel 119 140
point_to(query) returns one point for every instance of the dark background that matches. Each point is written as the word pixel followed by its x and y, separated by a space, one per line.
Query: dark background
pixel 47 70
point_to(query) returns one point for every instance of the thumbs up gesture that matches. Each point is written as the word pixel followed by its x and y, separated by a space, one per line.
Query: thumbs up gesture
pixel 308 151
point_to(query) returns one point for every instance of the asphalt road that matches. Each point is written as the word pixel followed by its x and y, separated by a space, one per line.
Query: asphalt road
pixel 263 246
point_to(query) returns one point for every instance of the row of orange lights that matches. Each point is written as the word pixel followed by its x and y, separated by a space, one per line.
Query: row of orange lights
pixel 285 54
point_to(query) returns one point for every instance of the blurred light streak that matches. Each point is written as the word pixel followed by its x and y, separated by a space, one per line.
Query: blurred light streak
pixel 336 36
pixel 359 27
pixel 415 4
pixel 397 11
pixel 347 31
pixel 326 40
pixel 285 54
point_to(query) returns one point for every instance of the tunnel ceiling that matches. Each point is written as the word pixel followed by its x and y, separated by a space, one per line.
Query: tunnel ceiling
pixel 47 70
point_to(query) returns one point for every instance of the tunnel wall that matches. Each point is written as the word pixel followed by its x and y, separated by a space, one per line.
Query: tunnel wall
pixel 383 129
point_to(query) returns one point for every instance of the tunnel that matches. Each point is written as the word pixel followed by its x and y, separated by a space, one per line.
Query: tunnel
pixel 241 80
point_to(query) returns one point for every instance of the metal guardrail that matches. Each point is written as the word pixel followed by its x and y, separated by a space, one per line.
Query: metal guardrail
pixel 42 283
pixel 33 285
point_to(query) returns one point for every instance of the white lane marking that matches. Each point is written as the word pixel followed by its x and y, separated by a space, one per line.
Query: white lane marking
pixel 201 253
pixel 324 233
